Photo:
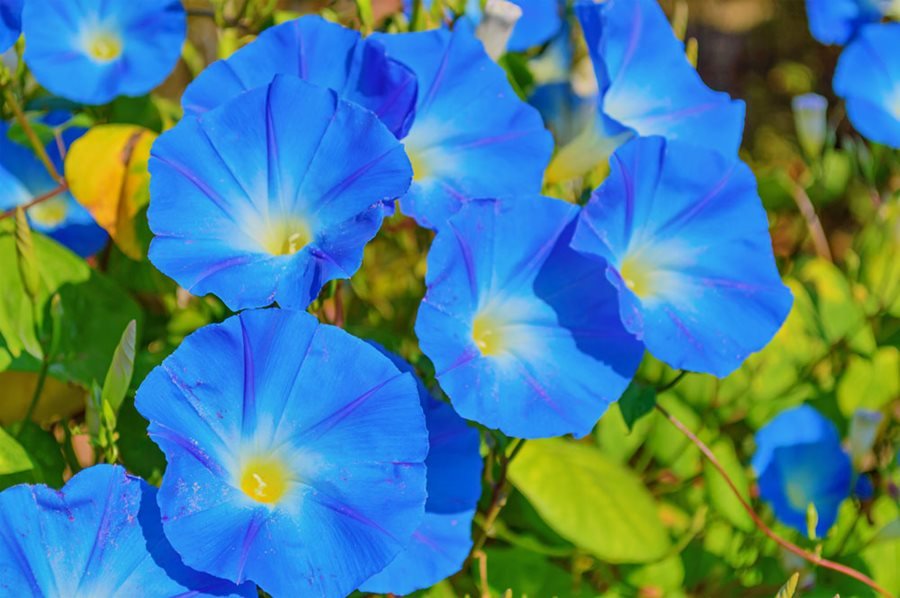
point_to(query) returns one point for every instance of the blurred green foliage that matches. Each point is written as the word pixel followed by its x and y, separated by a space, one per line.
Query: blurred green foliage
pixel 632 509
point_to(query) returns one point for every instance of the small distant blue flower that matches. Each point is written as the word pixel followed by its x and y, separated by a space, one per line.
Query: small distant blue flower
pixel 472 136
pixel 441 544
pixel 646 87
pixel 272 194
pixel 524 333
pixel 92 52
pixel 10 22
pixel 799 461
pixel 868 79
pixel 98 536
pixel 23 177
pixel 320 52
pixel 686 241
pixel 295 453
pixel 837 21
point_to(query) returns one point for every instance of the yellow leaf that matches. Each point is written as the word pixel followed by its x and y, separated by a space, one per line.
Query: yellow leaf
pixel 58 399
pixel 107 173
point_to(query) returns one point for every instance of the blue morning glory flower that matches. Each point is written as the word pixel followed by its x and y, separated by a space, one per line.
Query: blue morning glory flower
pixel 10 22
pixel 687 245
pixel 98 536
pixel 442 542
pixel 295 453
pixel 837 21
pixel 320 52
pixel 472 137
pixel 524 333
pixel 868 79
pixel 271 195
pixel 92 52
pixel 646 87
pixel 799 461
pixel 23 177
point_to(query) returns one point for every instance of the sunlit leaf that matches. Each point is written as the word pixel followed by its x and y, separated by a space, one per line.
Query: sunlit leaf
pixel 591 501
pixel 44 454
pixel 95 311
pixel 721 496
pixel 870 383
pixel 13 457
pixel 790 587
pixel 107 174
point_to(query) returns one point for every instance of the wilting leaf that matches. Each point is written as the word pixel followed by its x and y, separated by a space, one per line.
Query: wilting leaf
pixel 107 174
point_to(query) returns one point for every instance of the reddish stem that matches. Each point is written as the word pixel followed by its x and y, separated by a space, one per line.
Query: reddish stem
pixel 62 188
pixel 787 545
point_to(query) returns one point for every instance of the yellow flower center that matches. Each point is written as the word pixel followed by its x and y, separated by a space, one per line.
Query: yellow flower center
pixel 50 213
pixel 265 479
pixel 796 495
pixel 104 46
pixel 420 167
pixel 487 332
pixel 287 237
pixel 637 276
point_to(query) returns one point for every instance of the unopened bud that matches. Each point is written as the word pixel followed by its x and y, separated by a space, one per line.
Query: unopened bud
pixel 496 26
pixel 810 112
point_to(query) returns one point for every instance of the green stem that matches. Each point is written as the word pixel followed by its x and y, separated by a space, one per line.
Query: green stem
pixel 42 378
pixel 813 558
pixel 33 139
pixel 499 494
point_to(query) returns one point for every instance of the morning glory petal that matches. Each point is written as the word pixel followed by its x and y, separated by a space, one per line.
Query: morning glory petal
pixel 279 203
pixel 285 466
pixel 92 52
pixel 868 79
pixel 61 217
pixel 437 550
pixel 799 461
pixel 647 87
pixel 106 538
pixel 10 22
pixel 837 21
pixel 320 52
pixel 523 332
pixel 442 542
pixel 686 241
pixel 472 137
pixel 541 20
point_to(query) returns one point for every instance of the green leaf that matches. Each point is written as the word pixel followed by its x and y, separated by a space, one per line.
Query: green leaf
pixel 790 587
pixel 869 383
pixel 721 497
pixel 26 260
pixel 13 457
pixel 118 377
pixel 44 454
pixel 95 310
pixel 637 402
pixel 591 501
pixel 365 15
